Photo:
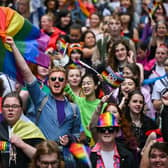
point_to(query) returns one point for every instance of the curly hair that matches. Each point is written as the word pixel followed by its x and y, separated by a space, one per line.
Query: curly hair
pixel 112 60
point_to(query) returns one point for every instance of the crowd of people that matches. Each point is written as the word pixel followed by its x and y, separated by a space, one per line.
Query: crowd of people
pixel 106 86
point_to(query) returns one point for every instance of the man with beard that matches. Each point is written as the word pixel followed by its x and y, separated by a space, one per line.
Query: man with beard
pixel 59 119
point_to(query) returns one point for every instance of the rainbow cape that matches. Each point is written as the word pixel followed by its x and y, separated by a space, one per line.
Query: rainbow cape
pixel 29 40
pixel 81 152
pixel 107 119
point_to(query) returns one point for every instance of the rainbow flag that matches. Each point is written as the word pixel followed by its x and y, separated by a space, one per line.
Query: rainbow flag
pixel 113 79
pixel 81 152
pixel 83 8
pixel 152 7
pixel 62 46
pixel 28 38
pixel 107 119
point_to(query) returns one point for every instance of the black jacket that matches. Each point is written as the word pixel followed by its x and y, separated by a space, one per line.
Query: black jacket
pixel 21 159
pixel 126 158
pixel 164 116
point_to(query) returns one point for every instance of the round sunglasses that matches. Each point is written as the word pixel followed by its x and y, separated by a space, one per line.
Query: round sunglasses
pixel 60 79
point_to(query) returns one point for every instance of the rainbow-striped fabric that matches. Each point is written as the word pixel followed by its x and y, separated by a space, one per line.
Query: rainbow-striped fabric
pixel 4 146
pixel 83 8
pixel 112 78
pixel 29 40
pixel 81 152
pixel 107 119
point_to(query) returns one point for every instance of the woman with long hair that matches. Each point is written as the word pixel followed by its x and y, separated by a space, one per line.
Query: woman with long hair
pixel 119 55
pixel 134 113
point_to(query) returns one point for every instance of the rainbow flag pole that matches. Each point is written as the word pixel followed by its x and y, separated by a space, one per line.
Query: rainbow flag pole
pixel 65 49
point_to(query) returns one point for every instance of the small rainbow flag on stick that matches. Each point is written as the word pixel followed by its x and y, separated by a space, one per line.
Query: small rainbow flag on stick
pixel 110 77
pixel 62 46
pixel 152 7
pixel 81 152
pixel 113 79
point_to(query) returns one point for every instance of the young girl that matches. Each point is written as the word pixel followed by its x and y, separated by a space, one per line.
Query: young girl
pixel 87 104
pixel 94 26
pixel 90 48
pixel 128 29
pixel 134 112
pixel 74 75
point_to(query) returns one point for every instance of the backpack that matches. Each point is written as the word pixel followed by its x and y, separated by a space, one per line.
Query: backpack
pixel 44 101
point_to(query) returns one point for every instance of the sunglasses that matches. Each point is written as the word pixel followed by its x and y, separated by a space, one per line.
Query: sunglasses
pixel 60 79
pixel 104 129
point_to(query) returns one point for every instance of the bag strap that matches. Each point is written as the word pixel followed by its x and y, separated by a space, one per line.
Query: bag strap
pixel 74 109
pixel 43 102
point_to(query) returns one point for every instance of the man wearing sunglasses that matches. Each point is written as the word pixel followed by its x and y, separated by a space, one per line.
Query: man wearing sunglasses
pixel 107 153
pixel 57 119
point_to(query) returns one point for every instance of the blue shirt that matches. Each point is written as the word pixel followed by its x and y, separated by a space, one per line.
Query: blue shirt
pixel 48 121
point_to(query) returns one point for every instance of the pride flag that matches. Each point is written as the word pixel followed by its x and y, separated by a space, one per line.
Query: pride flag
pixel 81 152
pixel 62 46
pixel 28 38
pixel 83 8
pixel 113 79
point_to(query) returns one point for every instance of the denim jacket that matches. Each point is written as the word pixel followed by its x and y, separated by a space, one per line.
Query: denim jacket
pixel 48 121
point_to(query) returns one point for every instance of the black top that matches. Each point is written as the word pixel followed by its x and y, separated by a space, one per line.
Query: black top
pixel 22 160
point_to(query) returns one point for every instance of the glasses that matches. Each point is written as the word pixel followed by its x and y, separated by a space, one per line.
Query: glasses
pixel 45 164
pixel 104 129
pixel 14 106
pixel 60 79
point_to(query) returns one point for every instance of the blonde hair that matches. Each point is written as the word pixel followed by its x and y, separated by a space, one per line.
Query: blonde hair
pixel 57 69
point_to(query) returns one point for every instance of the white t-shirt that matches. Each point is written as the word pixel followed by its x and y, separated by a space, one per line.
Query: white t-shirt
pixel 158 87
pixel 107 157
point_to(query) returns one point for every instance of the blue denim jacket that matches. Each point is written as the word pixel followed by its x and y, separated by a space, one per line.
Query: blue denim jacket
pixel 48 121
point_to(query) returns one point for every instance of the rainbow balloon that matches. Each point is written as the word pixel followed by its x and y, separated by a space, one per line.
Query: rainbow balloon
pixel 107 119
pixel 28 38
pixel 80 151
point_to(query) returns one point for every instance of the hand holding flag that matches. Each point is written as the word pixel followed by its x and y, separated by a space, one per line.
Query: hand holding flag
pixel 81 152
